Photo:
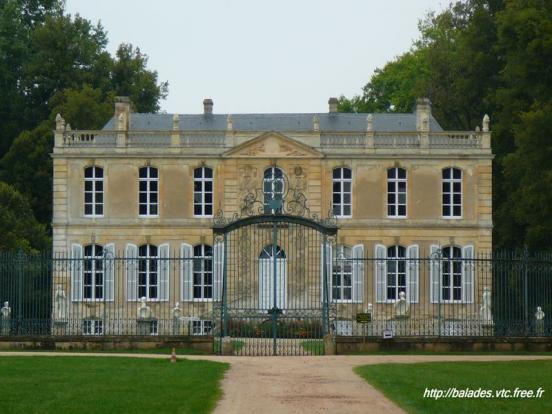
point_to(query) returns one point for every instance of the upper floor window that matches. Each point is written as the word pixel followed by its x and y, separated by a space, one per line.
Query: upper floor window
pixel 148 191
pixel 342 192
pixel 203 272
pixel 396 192
pixel 148 272
pixel 203 192
pixel 342 274
pixel 93 272
pixel 93 191
pixel 396 272
pixel 452 192
pixel 273 189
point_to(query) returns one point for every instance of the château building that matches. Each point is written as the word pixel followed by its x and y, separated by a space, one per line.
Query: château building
pixel 147 190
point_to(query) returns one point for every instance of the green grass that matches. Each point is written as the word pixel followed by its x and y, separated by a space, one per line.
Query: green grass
pixel 405 384
pixel 167 351
pixel 313 346
pixel 422 352
pixel 236 345
pixel 87 385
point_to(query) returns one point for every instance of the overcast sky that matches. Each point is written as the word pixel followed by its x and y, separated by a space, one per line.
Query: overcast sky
pixel 260 56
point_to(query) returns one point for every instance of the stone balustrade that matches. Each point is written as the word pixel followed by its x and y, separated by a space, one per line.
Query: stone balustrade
pixel 214 139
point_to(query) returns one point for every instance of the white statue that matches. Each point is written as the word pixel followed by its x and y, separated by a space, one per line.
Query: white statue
pixel 176 311
pixel 539 315
pixel 60 300
pixel 144 311
pixel 401 306
pixel 5 311
pixel 485 309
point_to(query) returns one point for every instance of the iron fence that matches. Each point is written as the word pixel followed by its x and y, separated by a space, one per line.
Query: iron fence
pixel 496 295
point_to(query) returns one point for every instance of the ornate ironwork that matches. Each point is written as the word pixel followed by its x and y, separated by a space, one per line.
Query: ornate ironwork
pixel 293 202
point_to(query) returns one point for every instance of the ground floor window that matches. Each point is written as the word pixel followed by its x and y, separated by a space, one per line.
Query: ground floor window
pixel 92 327
pixel 154 328
pixel 396 272
pixel 451 274
pixel 148 272
pixel 202 327
pixel 342 277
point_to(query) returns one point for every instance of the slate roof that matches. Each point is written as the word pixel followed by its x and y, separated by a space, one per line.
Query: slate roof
pixel 329 122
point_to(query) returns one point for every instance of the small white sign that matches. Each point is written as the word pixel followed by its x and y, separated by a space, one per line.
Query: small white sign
pixel 387 334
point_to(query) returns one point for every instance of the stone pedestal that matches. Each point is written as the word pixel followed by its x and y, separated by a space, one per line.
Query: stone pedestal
pixel 5 327
pixel 60 327
pixel 329 345
pixel 227 346
pixel 145 326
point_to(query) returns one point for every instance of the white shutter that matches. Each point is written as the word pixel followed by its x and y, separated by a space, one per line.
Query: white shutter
pixel 164 271
pixel 109 271
pixel 358 273
pixel 434 273
pixel 412 273
pixel 282 283
pixel 131 262
pixel 265 280
pixel 186 272
pixel 218 270
pixel 380 272
pixel 468 267
pixel 76 272
pixel 326 252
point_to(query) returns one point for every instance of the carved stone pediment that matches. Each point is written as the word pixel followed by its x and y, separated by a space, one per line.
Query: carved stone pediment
pixel 273 145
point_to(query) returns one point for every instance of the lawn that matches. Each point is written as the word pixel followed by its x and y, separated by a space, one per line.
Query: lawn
pixel 313 346
pixel 108 385
pixel 406 383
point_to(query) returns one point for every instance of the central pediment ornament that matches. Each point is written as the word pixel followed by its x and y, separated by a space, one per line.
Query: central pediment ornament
pixel 273 145
pixel 292 202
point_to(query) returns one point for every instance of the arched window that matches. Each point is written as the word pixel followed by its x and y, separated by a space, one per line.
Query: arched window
pixel 203 272
pixel 268 258
pixel 273 189
pixel 148 272
pixel 148 192
pixel 451 274
pixel 452 192
pixel 396 192
pixel 93 191
pixel 342 275
pixel 342 192
pixel 396 272
pixel 203 192
pixel 93 272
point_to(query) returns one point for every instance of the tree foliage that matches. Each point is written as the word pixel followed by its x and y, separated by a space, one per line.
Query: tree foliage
pixel 52 62
pixel 477 57
pixel 18 227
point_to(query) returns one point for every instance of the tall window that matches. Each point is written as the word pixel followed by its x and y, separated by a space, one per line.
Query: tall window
pixel 342 278
pixel 396 192
pixel 148 272
pixel 273 189
pixel 149 191
pixel 93 272
pixel 451 274
pixel 203 272
pixel 452 192
pixel 342 197
pixel 396 271
pixel 203 192
pixel 93 191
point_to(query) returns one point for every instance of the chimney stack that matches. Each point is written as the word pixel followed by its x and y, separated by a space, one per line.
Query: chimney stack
pixel 332 103
pixel 423 113
pixel 207 106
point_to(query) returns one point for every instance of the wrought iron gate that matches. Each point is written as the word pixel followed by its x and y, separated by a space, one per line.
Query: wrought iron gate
pixel 275 298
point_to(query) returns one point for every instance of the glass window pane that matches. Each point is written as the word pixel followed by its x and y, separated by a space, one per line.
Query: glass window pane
pixel 337 173
pixel 401 173
pixel 88 172
pixel 153 172
pixel 143 172
pixel 457 173
pixel 391 173
pixel 347 173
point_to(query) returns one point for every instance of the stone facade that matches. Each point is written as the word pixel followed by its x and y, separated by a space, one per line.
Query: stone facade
pixel 239 148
